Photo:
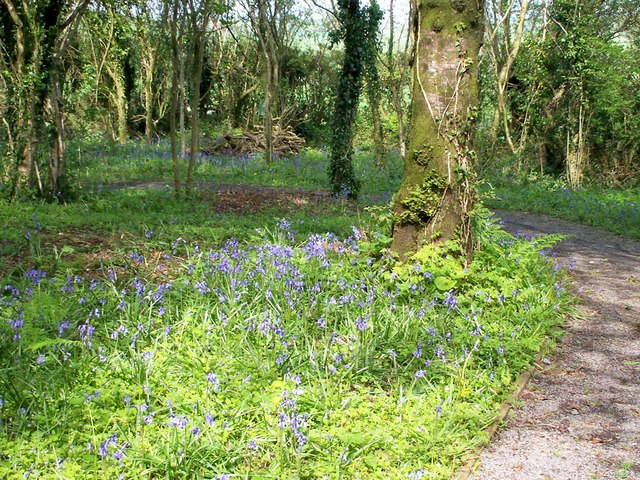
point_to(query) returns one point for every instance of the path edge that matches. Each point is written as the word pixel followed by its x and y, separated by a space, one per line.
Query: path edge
pixel 464 472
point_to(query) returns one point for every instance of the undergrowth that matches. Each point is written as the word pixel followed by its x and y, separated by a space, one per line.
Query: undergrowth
pixel 101 164
pixel 280 355
pixel 111 221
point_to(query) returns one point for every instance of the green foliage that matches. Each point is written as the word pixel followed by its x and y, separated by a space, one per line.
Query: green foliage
pixel 122 212
pixel 99 163
pixel 581 78
pixel 422 202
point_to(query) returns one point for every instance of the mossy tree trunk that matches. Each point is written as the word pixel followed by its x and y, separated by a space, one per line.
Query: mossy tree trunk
pixel 435 197
pixel 35 38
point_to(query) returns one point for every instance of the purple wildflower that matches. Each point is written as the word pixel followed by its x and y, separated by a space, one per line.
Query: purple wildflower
pixel 450 301
pixel 213 379
pixel 210 419
pixel 178 421
pixel 418 351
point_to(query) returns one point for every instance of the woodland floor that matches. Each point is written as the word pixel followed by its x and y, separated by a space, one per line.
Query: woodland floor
pixel 243 198
pixel 580 415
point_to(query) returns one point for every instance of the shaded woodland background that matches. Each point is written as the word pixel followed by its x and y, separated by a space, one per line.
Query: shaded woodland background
pixel 560 83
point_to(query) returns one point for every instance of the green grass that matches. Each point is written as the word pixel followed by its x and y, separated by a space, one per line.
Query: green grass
pixel 146 336
pixel 119 219
pixel 611 209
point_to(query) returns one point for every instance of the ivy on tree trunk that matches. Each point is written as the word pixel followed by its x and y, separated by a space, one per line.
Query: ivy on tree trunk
pixel 359 27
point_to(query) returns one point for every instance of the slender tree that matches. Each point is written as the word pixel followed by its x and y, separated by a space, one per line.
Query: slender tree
pixel 175 77
pixel 201 15
pixel 358 29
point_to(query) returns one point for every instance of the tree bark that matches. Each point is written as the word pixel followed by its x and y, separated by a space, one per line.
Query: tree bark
pixel 268 115
pixel 399 108
pixel 119 99
pixel 267 40
pixel 57 148
pixel 174 97
pixel 182 101
pixel 378 136
pixel 576 160
pixel 434 200
pixel 196 76
pixel 148 64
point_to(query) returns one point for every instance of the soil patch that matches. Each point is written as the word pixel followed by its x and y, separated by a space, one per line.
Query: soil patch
pixel 243 201
pixel 245 198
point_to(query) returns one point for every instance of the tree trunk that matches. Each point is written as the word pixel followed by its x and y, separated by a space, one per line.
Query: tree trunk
pixel 120 101
pixel 399 108
pixel 378 137
pixel 341 171
pixel 576 160
pixel 434 200
pixel 174 97
pixel 182 101
pixel 267 42
pixel 196 76
pixel 148 64
pixel 57 149
pixel 35 180
pixel 268 116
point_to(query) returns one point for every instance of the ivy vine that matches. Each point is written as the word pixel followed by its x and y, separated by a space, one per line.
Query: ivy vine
pixel 358 30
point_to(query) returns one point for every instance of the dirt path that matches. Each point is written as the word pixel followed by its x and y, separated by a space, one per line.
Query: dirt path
pixel 580 417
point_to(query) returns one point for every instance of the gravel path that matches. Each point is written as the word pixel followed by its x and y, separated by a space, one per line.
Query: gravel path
pixel 580 417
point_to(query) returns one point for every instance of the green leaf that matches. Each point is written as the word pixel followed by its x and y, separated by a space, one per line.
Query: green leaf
pixel 50 342
pixel 444 284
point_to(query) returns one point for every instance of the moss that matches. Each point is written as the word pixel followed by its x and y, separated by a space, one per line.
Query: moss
pixel 424 156
pixel 421 204
pixel 437 25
